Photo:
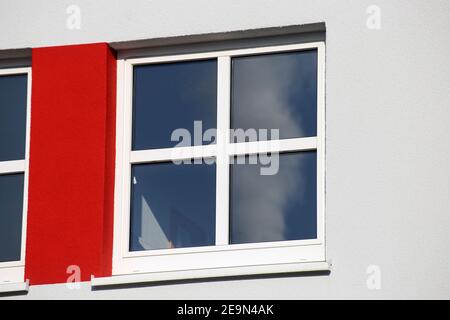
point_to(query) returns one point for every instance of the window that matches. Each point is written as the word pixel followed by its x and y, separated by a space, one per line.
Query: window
pixel 14 127
pixel 220 160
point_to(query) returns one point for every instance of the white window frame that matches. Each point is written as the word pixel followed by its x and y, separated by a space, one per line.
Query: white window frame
pixel 222 255
pixel 14 271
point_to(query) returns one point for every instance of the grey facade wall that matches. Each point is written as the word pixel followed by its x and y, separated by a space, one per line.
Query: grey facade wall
pixel 387 133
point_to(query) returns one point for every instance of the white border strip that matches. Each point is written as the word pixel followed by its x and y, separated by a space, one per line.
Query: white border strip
pixel 227 53
pixel 211 273
pixel 223 159
pixel 272 146
pixel 14 287
pixel 170 154
pixel 14 270
pixel 14 166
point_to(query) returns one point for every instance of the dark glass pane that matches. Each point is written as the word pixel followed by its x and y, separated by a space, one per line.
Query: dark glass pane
pixel 171 96
pixel 275 91
pixel 11 205
pixel 274 207
pixel 173 206
pixel 13 116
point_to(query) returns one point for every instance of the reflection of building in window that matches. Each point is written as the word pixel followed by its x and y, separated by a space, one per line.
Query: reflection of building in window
pixel 152 235
pixel 184 231
pixel 181 232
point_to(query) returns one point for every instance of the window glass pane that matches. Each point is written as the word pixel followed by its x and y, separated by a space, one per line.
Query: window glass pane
pixel 173 206
pixel 275 91
pixel 13 110
pixel 171 96
pixel 11 205
pixel 276 207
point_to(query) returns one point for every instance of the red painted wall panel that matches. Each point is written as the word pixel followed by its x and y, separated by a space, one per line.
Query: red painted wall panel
pixel 71 184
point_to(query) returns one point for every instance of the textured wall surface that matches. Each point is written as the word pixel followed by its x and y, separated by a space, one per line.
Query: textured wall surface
pixel 70 191
pixel 388 115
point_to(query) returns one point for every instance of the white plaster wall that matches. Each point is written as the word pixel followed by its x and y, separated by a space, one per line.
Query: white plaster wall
pixel 388 135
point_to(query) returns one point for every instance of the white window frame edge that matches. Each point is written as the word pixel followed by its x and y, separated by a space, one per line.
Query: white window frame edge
pixel 12 273
pixel 10 287
pixel 185 261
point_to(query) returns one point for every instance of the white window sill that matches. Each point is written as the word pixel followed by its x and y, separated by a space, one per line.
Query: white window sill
pixel 210 273
pixel 10 287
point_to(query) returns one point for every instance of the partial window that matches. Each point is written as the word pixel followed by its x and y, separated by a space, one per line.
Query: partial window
pixel 11 208
pixel 172 206
pixel 276 91
pixel 14 111
pixel 170 96
pixel 277 207
pixel 13 116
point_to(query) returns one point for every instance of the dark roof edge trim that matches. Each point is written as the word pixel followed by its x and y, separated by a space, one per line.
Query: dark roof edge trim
pixel 220 36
